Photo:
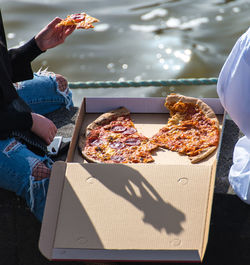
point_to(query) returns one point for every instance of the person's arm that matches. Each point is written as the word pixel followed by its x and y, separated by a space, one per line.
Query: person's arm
pixel 52 36
pixel 14 120
pixel 43 127
pixel 49 37
pixel 38 124
pixel 16 67
pixel 233 83
pixel 21 59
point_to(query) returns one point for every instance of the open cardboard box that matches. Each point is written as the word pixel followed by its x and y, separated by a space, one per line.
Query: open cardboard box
pixel 129 212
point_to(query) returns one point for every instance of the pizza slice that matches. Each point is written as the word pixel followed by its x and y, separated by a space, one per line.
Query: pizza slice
pixel 80 20
pixel 113 138
pixel 192 129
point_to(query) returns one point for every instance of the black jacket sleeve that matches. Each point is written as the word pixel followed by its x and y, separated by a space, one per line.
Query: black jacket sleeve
pixel 10 120
pixel 15 65
pixel 14 121
pixel 21 58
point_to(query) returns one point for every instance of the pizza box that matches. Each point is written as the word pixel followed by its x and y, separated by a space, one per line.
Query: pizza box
pixel 129 212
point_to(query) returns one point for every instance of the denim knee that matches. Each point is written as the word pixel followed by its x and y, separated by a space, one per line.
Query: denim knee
pixel 42 93
pixel 66 94
pixel 16 166
pixel 36 196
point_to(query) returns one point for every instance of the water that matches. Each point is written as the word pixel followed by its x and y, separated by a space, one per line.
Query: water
pixel 135 40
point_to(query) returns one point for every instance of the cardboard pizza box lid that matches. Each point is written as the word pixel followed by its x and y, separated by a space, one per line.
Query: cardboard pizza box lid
pixel 132 212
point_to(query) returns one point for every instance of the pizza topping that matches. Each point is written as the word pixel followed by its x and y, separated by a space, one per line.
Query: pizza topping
pixel 118 128
pixel 78 17
pixel 129 131
pixel 133 141
pixel 95 142
pixel 117 145
pixel 118 158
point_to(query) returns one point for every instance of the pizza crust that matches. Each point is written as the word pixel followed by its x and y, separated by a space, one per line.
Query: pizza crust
pixel 89 159
pixel 204 154
pixel 103 119
pixel 207 110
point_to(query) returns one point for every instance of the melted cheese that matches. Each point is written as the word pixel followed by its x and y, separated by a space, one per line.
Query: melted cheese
pixel 188 131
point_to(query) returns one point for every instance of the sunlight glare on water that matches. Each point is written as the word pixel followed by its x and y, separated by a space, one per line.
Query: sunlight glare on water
pixel 135 40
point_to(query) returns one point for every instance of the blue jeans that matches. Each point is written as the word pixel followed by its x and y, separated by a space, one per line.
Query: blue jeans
pixel 16 160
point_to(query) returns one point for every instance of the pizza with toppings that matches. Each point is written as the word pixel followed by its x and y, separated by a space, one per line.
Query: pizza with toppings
pixel 192 129
pixel 80 20
pixel 113 138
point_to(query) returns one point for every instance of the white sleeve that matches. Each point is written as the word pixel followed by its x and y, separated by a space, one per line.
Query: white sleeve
pixel 233 85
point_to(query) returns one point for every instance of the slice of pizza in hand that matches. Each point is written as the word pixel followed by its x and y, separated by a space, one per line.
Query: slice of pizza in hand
pixel 81 21
pixel 113 138
pixel 192 129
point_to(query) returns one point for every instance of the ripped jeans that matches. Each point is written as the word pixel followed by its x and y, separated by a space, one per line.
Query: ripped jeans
pixel 17 162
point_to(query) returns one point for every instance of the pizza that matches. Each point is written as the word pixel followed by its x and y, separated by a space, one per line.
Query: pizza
pixel 113 138
pixel 80 20
pixel 192 129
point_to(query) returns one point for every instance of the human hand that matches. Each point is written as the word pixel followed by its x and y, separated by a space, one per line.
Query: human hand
pixel 51 35
pixel 43 127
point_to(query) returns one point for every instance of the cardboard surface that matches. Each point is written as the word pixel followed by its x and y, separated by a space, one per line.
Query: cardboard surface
pixel 158 211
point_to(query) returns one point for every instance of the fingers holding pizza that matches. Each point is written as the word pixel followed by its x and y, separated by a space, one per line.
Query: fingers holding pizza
pixel 59 29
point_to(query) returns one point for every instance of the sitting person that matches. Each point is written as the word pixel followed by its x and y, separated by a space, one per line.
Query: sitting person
pixel 24 98
pixel 234 92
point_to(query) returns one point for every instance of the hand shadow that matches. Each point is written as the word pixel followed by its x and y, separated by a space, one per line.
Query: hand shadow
pixel 132 186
